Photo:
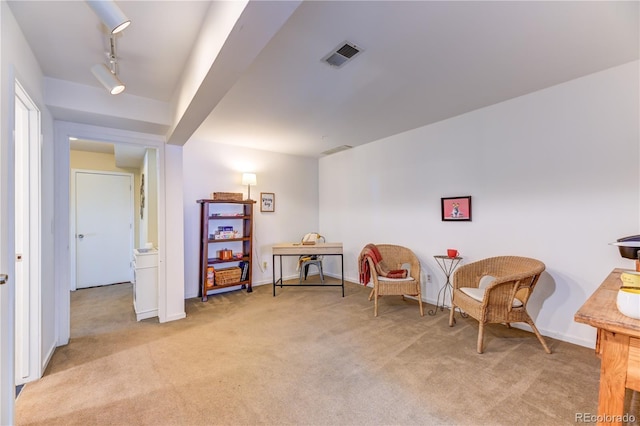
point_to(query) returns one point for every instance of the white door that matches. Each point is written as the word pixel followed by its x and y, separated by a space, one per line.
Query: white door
pixel 27 237
pixel 104 228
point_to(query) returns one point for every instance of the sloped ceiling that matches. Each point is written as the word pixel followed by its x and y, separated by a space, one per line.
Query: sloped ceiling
pixel 421 62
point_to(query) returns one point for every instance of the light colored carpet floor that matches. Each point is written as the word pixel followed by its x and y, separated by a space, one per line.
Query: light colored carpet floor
pixel 305 357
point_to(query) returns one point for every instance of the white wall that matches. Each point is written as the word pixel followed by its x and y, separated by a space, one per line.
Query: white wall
pixel 18 62
pixel 151 204
pixel 553 175
pixel 171 241
pixel 212 167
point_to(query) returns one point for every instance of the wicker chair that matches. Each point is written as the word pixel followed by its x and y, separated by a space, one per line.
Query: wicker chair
pixel 394 257
pixel 496 290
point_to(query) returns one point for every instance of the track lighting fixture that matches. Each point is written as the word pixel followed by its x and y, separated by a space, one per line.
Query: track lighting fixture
pixel 108 75
pixel 110 14
pixel 109 80
pixel 115 21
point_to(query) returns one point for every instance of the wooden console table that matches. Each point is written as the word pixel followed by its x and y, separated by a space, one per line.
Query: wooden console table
pixel 298 249
pixel 617 345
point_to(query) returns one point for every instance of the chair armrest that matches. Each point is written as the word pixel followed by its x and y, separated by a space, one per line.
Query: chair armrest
pixel 500 293
pixel 504 289
pixel 468 275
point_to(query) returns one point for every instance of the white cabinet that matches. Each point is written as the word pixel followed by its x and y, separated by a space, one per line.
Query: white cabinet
pixel 145 283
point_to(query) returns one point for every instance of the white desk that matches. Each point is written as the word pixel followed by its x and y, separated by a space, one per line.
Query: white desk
pixel 299 249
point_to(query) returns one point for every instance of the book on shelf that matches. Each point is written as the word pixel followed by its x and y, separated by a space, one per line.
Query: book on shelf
pixel 225 235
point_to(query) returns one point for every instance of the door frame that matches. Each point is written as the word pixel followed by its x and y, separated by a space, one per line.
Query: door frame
pixel 7 251
pixel 62 176
pixel 72 219
pixel 29 303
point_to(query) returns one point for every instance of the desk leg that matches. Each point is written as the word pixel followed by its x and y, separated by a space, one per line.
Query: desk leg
pixel 273 273
pixel 613 376
pixel 342 273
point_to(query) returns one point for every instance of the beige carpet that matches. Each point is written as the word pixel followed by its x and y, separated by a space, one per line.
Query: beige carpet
pixel 305 357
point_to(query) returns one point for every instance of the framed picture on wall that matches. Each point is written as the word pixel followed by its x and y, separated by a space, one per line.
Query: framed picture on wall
pixel 267 202
pixel 456 208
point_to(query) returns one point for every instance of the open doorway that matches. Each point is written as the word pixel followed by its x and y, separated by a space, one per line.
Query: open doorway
pixel 170 239
pixel 132 172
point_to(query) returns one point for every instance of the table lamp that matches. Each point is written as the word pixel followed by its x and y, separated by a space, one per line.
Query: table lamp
pixel 249 179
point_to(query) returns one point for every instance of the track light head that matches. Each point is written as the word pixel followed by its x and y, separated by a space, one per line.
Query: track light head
pixel 110 14
pixel 108 79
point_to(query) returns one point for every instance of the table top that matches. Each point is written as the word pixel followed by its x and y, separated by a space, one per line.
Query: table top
pixel 601 310
pixel 300 249
pixel 444 256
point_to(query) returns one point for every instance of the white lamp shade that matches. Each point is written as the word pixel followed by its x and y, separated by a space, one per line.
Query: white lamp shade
pixel 249 179
pixel 107 78
pixel 110 15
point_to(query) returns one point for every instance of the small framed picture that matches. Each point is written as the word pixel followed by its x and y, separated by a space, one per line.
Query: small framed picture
pixel 267 202
pixel 456 208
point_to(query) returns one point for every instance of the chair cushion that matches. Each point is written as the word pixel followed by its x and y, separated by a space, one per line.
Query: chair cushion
pixel 390 280
pixel 408 278
pixel 478 294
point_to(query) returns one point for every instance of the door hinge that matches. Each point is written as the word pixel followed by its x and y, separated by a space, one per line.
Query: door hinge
pixel 4 278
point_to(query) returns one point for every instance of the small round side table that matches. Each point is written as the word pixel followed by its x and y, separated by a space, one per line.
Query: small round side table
pixel 447 264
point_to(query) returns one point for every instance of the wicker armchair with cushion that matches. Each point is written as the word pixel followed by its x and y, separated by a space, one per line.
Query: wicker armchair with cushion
pixel 496 290
pixel 395 260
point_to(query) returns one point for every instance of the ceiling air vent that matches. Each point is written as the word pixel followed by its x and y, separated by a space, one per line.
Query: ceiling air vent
pixel 337 149
pixel 342 54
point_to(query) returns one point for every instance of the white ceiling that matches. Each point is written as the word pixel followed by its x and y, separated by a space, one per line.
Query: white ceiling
pixel 421 62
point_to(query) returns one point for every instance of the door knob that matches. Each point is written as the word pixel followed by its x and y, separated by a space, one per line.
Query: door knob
pixel 3 278
pixel 81 236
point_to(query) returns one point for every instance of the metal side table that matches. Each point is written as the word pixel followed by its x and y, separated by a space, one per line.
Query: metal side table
pixel 447 264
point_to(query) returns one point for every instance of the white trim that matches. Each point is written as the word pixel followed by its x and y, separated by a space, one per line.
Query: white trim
pixel 7 250
pixel 64 130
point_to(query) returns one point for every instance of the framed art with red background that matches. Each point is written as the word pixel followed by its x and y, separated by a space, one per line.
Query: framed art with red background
pixel 456 209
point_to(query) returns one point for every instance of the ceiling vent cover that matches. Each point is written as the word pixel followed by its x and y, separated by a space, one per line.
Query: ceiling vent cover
pixel 337 149
pixel 342 54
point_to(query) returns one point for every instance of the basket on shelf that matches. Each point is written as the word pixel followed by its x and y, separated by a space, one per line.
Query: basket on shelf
pixel 227 196
pixel 228 275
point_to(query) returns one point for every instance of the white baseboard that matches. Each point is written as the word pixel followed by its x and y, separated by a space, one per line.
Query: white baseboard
pixel 175 317
pixel 47 358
